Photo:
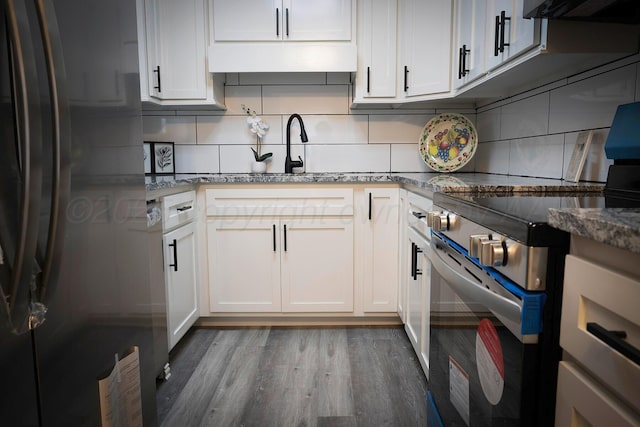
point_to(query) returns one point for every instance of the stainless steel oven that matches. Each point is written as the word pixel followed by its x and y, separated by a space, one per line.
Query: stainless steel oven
pixel 496 289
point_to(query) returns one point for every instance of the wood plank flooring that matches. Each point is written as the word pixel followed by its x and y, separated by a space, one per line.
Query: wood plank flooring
pixel 293 377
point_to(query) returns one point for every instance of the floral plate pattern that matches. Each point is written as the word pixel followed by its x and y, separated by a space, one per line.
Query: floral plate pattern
pixel 448 142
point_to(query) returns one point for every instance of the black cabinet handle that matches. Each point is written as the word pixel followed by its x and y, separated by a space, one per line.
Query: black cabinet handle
pixel 175 255
pixel 413 260
pixel 465 51
pixel 285 237
pixel 274 237
pixel 615 339
pixel 460 63
pixel 157 71
pixel 287 17
pixel 496 41
pixel 368 79
pixel 277 21
pixel 503 18
pixel 415 250
pixel 184 208
pixel 370 206
pixel 418 215
pixel 406 72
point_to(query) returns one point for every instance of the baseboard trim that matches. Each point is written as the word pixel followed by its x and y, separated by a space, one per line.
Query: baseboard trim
pixel 307 321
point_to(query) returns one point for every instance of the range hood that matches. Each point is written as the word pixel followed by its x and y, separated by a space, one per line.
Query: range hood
pixel 621 11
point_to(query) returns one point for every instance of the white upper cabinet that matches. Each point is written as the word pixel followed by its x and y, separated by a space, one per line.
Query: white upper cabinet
pixel 377 24
pixel 498 53
pixel 469 51
pixel 404 51
pixel 425 40
pixel 176 68
pixel 246 20
pixel 509 34
pixel 269 20
pixel 282 35
pixel 313 20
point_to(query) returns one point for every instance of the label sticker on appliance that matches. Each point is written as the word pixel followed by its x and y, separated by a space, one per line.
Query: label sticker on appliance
pixel 489 361
pixel 459 389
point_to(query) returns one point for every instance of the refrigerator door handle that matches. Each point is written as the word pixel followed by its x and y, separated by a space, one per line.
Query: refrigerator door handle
pixel 24 268
pixel 61 170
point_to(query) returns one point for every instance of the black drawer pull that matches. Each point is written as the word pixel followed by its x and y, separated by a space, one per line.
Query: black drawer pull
pixel 184 208
pixel 615 340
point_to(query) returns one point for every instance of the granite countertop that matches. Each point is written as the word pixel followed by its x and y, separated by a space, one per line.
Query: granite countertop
pixel 619 227
pixel 436 182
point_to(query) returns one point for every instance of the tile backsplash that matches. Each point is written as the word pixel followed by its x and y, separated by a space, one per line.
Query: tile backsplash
pixel 529 134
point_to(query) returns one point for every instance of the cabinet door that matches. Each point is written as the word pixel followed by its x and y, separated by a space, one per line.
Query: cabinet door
pixel 244 265
pixel 509 36
pixel 470 41
pixel 317 265
pixel 414 301
pixel 377 48
pixel 381 250
pixel 312 20
pixel 419 302
pixel 426 59
pixel 176 49
pixel 247 20
pixel 180 281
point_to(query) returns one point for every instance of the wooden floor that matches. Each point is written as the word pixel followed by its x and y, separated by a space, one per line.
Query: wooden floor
pixel 293 377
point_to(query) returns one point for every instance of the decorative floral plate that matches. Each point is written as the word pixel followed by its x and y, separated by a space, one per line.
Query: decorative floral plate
pixel 448 142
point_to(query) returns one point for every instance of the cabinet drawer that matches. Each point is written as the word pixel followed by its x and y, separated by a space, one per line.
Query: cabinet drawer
pixel 280 202
pixel 596 295
pixel 582 401
pixel 178 209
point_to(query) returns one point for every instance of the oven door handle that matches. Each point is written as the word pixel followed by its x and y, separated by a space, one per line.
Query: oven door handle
pixel 467 287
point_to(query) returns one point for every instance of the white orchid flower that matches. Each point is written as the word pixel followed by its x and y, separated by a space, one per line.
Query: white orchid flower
pixel 259 128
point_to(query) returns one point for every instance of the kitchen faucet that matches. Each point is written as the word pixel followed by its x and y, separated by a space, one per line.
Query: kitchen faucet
pixel 288 163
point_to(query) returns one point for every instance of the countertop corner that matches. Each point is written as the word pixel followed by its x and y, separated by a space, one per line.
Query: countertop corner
pixel 618 227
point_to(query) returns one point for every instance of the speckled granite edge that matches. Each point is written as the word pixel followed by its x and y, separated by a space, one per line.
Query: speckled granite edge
pixel 615 227
pixel 446 183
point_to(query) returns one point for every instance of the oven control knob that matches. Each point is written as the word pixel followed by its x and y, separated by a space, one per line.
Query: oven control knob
pixel 430 217
pixel 493 253
pixel 439 221
pixel 475 241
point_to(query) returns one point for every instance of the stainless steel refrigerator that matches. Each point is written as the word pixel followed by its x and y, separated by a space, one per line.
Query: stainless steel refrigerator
pixel 74 277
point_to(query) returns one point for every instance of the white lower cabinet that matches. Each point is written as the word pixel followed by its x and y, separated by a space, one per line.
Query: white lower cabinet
pixel 317 265
pixel 180 281
pixel 280 249
pixel 380 251
pixel 273 265
pixel 244 265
